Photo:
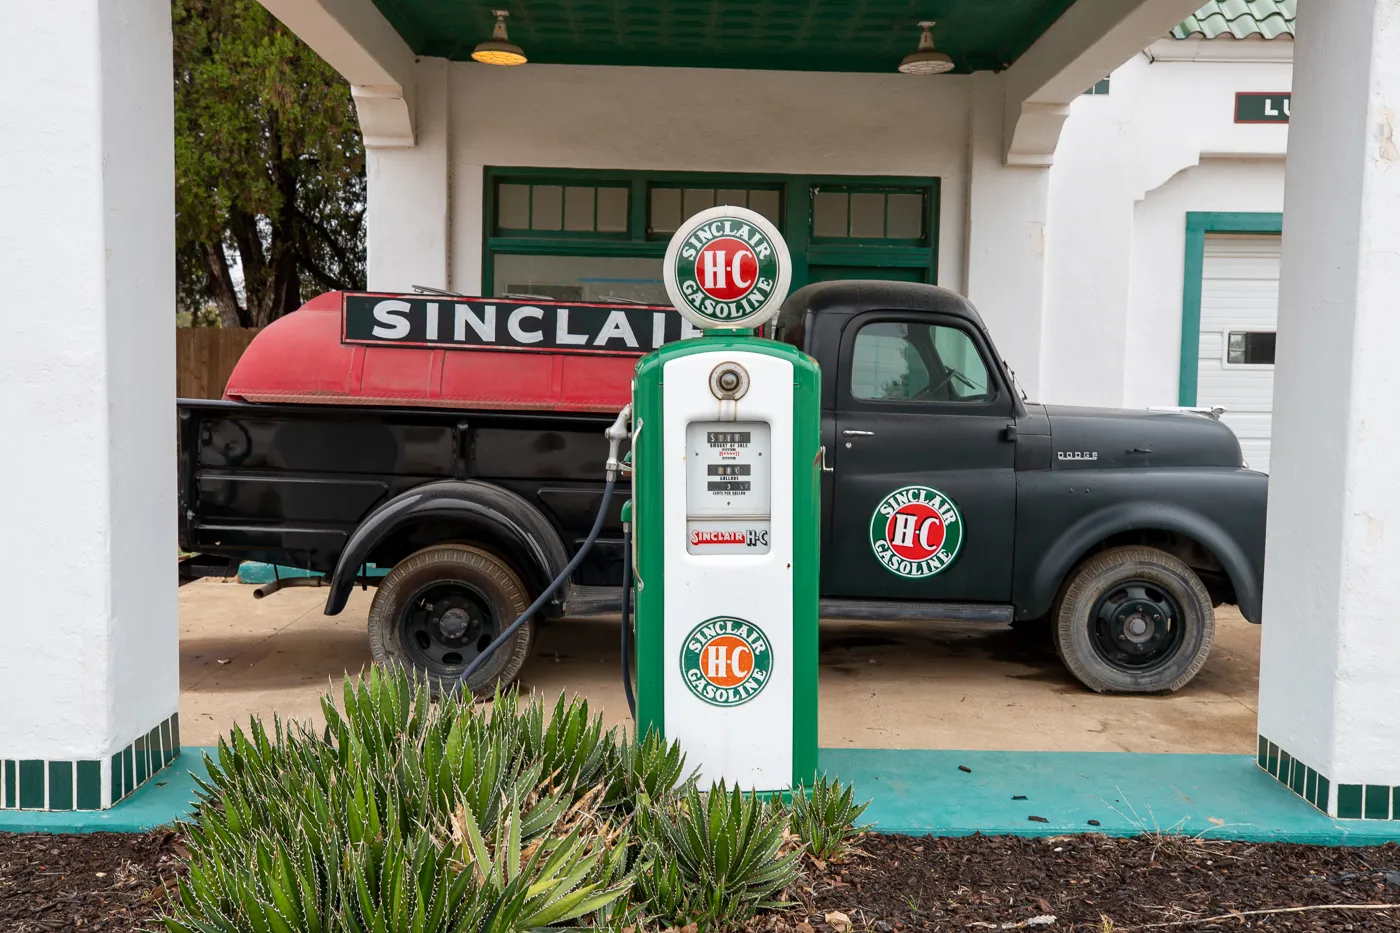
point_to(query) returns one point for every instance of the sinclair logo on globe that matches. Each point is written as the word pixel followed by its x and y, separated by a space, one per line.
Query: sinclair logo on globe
pixel 727 267
pixel 916 532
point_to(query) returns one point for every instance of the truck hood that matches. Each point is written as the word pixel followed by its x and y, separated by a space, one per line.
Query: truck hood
pixel 1110 438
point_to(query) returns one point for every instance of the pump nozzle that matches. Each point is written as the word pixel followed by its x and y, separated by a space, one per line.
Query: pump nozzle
pixel 616 433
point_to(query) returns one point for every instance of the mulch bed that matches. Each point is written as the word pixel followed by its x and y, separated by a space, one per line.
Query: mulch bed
pixel 1099 883
pixel 107 882
pixel 116 883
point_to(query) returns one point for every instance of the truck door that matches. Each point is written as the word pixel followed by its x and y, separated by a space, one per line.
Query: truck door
pixel 924 495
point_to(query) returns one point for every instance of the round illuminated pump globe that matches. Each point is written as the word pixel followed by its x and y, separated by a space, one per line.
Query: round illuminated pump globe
pixel 926 60
pixel 499 50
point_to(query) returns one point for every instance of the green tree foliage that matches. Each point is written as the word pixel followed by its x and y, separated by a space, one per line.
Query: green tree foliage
pixel 269 166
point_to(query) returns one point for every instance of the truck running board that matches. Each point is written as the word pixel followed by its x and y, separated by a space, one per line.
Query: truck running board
pixel 584 601
pixel 895 610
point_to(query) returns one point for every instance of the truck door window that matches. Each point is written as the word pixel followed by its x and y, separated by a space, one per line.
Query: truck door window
pixel 908 361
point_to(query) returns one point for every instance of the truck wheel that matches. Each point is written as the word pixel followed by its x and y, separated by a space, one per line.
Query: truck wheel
pixel 1134 620
pixel 438 608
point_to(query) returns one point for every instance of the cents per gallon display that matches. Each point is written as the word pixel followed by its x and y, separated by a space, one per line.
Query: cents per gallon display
pixel 727 267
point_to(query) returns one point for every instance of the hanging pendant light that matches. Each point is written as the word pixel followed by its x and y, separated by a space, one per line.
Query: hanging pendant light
pixel 499 50
pixel 926 60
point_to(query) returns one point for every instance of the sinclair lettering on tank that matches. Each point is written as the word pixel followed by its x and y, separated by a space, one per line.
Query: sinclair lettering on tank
pixel 553 327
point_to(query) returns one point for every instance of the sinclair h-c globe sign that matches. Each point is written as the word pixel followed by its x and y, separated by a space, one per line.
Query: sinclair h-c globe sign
pixel 727 267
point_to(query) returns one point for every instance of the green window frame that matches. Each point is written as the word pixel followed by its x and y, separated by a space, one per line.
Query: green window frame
pixel 796 197
pixel 1198 224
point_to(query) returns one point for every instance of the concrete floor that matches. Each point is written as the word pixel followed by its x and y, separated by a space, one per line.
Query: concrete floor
pixel 882 686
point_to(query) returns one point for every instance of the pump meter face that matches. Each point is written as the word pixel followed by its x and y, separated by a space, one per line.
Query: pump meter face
pixel 727 487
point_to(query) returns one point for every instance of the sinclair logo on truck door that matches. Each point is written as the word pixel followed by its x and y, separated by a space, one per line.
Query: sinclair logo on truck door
pixel 916 532
pixel 726 661
pixel 727 267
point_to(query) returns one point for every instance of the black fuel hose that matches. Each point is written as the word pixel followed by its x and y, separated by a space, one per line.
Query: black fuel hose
pixel 549 591
pixel 627 619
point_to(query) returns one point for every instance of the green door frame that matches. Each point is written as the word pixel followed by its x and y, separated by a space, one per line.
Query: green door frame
pixel 796 226
pixel 1198 224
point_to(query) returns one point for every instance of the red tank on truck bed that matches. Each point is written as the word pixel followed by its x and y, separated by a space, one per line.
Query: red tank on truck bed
pixel 404 350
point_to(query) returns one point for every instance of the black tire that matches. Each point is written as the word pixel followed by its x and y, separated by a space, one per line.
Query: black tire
pixel 1134 620
pixel 409 626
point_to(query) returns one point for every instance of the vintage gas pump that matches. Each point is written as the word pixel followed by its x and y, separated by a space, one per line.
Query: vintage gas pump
pixel 727 465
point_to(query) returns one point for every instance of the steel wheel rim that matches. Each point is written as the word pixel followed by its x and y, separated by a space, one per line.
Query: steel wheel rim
pixel 1136 627
pixel 445 625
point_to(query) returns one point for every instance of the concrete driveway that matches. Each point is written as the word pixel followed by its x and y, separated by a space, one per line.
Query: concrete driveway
pixel 882 686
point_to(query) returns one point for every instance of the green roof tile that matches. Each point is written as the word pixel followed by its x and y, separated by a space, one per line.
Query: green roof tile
pixel 1241 19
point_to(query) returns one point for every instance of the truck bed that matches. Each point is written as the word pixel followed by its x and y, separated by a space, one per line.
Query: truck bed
pixel 288 484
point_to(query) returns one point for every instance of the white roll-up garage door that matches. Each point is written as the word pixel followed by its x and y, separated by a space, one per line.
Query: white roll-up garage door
pixel 1239 316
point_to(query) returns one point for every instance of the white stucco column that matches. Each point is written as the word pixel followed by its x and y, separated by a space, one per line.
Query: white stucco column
pixel 1007 205
pixel 89 678
pixel 408 196
pixel 1328 689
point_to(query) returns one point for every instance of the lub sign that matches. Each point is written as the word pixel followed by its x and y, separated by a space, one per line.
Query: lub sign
pixel 1262 107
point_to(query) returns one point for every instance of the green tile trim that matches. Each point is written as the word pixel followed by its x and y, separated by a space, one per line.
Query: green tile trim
pixel 60 785
pixel 31 785
pixel 1198 224
pixel 89 785
pixel 1377 805
pixel 64 784
pixel 1349 801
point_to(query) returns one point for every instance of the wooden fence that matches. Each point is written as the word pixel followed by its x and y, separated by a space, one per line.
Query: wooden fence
pixel 205 357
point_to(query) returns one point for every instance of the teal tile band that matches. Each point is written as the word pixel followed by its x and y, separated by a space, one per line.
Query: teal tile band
pixel 1354 801
pixel 35 784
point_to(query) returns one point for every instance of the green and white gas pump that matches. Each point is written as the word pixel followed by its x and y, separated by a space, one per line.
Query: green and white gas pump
pixel 726 478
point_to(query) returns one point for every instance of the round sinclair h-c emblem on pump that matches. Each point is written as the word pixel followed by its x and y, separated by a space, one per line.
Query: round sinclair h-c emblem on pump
pixel 916 532
pixel 727 267
pixel 726 661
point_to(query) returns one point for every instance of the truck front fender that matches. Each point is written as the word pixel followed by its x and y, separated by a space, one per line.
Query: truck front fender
pixel 480 512
pixel 1064 552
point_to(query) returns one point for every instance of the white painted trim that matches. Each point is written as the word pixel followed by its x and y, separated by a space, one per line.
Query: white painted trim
pixel 1221 49
pixel 356 40
pixel 1090 40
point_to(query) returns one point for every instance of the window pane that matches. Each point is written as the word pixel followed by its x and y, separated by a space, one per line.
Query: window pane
pixel 665 210
pixel 580 278
pixel 867 215
pixel 697 200
pixel 894 361
pixel 578 208
pixel 766 203
pixel 736 198
pixel 906 221
pixel 513 207
pixel 829 214
pixel 962 376
pixel 1252 348
pixel 548 207
pixel 612 210
pixel 885 364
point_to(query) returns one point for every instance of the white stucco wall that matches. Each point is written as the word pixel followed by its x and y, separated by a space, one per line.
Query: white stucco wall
pixel 704 120
pixel 1152 325
pixel 1130 164
pixel 87 374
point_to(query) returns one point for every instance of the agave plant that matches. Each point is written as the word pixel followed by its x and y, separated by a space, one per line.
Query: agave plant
pixel 826 818
pixel 405 815
pixel 714 860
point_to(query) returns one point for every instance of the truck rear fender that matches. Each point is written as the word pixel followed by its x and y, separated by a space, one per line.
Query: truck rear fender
pixel 468 512
pixel 1115 521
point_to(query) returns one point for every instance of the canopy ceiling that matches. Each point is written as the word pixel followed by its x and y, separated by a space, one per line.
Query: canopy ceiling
pixel 798 35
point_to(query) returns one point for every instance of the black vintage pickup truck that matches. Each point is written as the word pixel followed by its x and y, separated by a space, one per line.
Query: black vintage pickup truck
pixel 1119 530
